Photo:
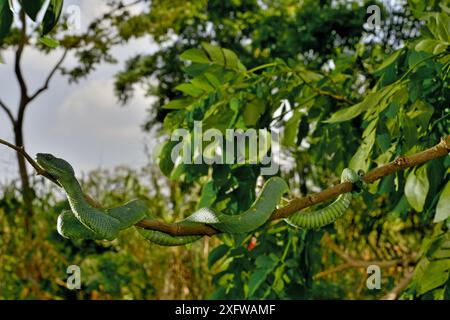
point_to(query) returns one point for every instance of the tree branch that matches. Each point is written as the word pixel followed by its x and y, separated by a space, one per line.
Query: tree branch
pixel 402 284
pixel 49 77
pixel 401 163
pixel 336 269
pixel 8 112
pixel 355 263
pixel 33 163
pixel 351 262
pixel 324 92
pixel 17 68
pixel 296 204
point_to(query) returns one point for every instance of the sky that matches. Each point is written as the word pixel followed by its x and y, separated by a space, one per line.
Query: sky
pixel 83 123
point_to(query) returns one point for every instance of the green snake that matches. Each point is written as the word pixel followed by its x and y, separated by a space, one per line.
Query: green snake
pixel 329 214
pixel 84 221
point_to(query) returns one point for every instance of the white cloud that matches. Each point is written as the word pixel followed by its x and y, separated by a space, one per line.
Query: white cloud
pixel 82 123
pixel 105 134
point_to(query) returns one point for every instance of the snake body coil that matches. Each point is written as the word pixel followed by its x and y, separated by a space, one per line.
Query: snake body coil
pixel 86 222
pixel 329 214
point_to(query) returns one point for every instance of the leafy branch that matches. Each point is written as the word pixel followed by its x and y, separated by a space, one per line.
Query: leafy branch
pixel 323 92
pixel 350 262
pixel 294 205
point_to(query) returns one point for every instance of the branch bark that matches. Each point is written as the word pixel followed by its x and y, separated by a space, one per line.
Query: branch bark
pixel 49 77
pixel 324 92
pixel 18 58
pixel 296 204
pixel 350 262
pixel 402 284
pixel 28 193
pixel 401 163
pixel 39 170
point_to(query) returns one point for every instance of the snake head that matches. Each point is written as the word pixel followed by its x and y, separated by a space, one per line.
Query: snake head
pixel 349 175
pixel 57 167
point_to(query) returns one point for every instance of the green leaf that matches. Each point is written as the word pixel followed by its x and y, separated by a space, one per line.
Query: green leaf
pixel 178 104
pixel 253 111
pixel 208 196
pixel 347 113
pixel 443 206
pixel 431 46
pixel 421 113
pixel 361 159
pixel 32 7
pixel 267 261
pixel 291 129
pixel 416 188
pixel 178 171
pixel 402 207
pixel 414 57
pixel 49 42
pixel 265 264
pixel 165 158
pixel 256 280
pixel 374 100
pixel 189 89
pixel 232 61
pixel 213 79
pixel 6 19
pixel 217 253
pixel 195 69
pixel 214 52
pixel 444 8
pixel 51 16
pixel 409 132
pixel 417 7
pixel 390 60
pixel 435 275
pixel 387 184
pixel 384 141
pixel 443 26
pixel 202 83
pixel 195 55
pixel 308 75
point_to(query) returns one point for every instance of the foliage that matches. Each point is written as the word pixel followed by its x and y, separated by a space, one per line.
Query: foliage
pixel 31 8
pixel 256 31
pixel 403 112
pixel 431 277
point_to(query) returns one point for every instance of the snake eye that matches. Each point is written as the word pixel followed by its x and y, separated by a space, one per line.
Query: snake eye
pixel 361 173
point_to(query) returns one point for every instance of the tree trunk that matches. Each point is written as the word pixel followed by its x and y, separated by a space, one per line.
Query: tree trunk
pixel 27 191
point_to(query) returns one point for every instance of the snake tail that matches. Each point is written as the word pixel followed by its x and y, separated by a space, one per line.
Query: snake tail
pixel 322 217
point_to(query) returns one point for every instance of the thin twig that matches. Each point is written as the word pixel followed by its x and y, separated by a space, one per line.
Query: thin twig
pixel 33 163
pixel 49 77
pixel 402 284
pixel 8 112
pixel 323 92
pixel 350 262
pixel 17 68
